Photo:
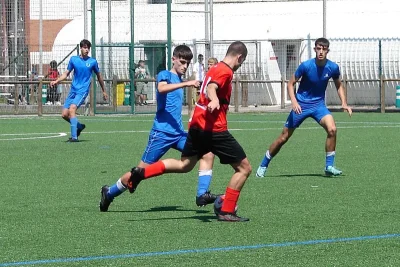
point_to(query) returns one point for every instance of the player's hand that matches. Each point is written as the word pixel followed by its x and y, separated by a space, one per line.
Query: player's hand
pixel 296 108
pixel 194 83
pixel 105 96
pixel 348 109
pixel 52 83
pixel 214 104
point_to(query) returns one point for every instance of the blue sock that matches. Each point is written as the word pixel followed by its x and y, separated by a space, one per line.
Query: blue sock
pixel 74 124
pixel 79 125
pixel 115 190
pixel 330 158
pixel 204 182
pixel 267 158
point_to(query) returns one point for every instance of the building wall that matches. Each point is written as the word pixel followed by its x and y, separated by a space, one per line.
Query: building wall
pixel 51 29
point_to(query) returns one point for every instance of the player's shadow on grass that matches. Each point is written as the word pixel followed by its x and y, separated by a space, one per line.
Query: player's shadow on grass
pixel 202 218
pixel 207 217
pixel 80 141
pixel 300 175
pixel 164 208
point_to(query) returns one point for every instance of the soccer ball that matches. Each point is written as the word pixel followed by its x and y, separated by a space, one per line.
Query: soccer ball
pixel 218 204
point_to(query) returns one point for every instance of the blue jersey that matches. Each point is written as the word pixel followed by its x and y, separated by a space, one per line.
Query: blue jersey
pixel 314 80
pixel 83 68
pixel 169 105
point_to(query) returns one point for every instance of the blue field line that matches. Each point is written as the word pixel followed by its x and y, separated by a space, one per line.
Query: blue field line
pixel 202 250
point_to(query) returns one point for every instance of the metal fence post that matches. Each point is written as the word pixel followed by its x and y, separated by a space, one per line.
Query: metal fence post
pixel 283 100
pixel 382 82
pixel 245 92
pixel 236 94
pixel 32 94
pixel 91 105
pixel 16 99
pixel 189 98
pixel 114 93
pixel 93 49
pixel 345 86
pixel 169 34
pixel 39 100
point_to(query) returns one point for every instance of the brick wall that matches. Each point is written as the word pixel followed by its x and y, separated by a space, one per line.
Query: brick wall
pixel 50 30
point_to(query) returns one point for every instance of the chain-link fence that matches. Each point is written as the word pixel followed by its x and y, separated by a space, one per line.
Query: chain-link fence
pixel 33 39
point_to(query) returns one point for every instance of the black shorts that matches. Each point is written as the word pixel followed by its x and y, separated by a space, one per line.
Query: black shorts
pixel 221 144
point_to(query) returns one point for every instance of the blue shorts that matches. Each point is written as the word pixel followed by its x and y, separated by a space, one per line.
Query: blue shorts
pixel 159 143
pixel 316 112
pixel 75 98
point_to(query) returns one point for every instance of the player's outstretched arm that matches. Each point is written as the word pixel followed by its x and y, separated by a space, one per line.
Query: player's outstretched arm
pixel 60 79
pixel 341 93
pixel 164 87
pixel 290 88
pixel 103 87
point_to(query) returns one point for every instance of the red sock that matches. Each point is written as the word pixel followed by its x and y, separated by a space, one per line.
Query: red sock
pixel 231 198
pixel 154 169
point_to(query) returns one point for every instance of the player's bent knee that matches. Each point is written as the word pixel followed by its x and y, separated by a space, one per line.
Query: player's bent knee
pixel 249 170
pixel 208 158
pixel 332 131
pixel 65 115
pixel 73 108
pixel 245 168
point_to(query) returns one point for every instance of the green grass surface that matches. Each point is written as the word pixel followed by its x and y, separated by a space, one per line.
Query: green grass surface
pixel 50 194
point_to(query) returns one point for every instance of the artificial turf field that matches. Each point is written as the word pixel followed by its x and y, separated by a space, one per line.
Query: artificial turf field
pixel 50 191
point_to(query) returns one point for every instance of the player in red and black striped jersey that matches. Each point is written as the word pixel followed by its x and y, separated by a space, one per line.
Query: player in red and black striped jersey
pixel 209 133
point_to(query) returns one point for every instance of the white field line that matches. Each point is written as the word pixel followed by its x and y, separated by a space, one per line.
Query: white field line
pixel 136 119
pixel 52 135
pixel 31 136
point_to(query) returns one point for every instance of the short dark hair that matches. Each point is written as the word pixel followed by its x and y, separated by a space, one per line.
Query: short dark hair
pixel 53 64
pixel 141 61
pixel 237 48
pixel 322 41
pixel 85 42
pixel 183 51
pixel 200 55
